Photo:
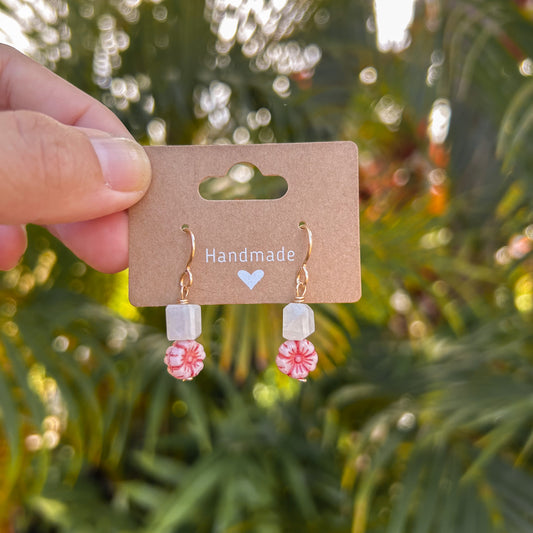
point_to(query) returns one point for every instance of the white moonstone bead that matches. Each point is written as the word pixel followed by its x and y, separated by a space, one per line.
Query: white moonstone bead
pixel 298 321
pixel 184 322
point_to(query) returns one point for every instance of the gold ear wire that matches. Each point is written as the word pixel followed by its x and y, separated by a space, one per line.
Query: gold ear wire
pixel 302 278
pixel 186 277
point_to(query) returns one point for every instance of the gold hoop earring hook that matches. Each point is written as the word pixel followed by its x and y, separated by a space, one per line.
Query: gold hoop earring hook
pixel 302 278
pixel 186 278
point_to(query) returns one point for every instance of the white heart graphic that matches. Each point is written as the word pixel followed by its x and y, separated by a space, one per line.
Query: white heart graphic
pixel 250 280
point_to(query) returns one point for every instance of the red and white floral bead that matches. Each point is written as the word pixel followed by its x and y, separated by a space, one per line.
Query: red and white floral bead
pixel 297 358
pixel 185 359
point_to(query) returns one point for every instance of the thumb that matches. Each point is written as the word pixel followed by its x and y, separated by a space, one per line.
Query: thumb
pixel 52 173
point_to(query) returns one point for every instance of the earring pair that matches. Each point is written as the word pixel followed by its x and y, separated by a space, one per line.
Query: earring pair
pixel 296 356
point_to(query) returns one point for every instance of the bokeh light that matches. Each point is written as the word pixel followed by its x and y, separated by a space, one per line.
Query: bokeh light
pixel 38 28
pixel 393 19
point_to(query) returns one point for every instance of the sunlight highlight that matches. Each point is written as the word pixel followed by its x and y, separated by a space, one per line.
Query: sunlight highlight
pixel 11 33
pixel 393 20
pixel 439 121
pixel 38 29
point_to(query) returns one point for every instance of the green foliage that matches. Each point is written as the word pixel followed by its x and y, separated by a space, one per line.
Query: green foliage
pixel 419 418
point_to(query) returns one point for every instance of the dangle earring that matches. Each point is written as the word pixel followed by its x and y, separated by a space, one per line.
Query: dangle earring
pixel 185 357
pixel 297 356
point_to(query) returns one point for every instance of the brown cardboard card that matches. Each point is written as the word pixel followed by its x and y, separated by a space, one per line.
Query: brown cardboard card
pixel 247 251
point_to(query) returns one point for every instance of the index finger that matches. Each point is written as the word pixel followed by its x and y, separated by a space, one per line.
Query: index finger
pixel 25 84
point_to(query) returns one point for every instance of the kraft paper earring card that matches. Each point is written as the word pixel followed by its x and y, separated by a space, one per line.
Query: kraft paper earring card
pixel 247 251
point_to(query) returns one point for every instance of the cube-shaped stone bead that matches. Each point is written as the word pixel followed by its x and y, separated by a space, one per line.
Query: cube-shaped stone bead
pixel 298 321
pixel 184 322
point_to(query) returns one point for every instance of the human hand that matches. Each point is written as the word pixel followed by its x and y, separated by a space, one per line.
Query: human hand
pixel 67 163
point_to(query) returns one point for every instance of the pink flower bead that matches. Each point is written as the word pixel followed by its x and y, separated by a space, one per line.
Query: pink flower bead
pixel 185 359
pixel 297 358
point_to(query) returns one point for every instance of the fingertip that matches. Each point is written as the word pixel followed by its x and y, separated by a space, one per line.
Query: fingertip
pixel 71 177
pixel 13 243
pixel 125 165
pixel 102 242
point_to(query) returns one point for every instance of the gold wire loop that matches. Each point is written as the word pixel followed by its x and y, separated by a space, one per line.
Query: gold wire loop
pixel 302 278
pixel 186 278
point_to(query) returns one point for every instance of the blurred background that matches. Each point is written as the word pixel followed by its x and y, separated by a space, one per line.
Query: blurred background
pixel 419 417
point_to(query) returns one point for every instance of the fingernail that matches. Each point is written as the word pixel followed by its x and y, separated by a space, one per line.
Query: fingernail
pixel 125 165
